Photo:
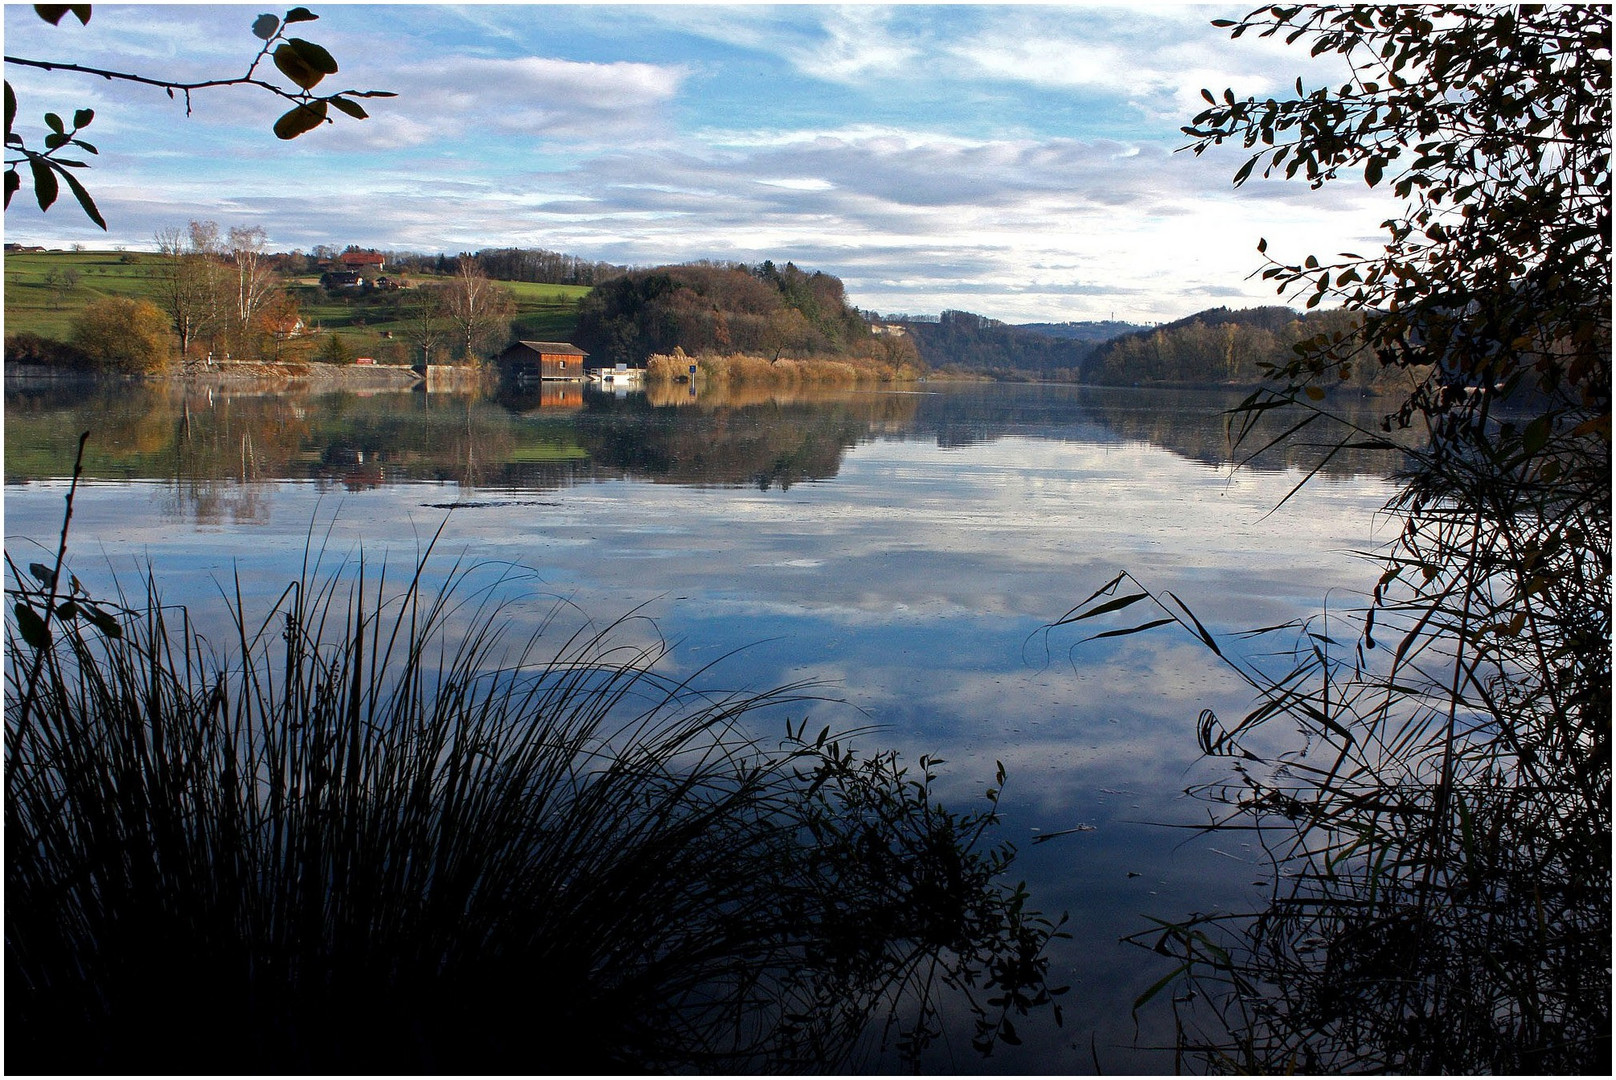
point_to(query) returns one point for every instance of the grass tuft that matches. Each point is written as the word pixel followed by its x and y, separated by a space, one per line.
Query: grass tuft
pixel 382 832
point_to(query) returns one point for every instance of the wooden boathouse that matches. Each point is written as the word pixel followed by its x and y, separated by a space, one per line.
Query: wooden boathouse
pixel 543 361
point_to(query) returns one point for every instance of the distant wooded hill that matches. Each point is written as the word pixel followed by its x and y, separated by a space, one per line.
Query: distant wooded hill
pixel 730 309
pixel 960 343
pixel 1215 347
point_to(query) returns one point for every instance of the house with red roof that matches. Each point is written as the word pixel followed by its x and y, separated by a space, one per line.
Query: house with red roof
pixel 362 260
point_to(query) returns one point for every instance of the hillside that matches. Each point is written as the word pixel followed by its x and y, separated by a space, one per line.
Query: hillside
pixel 708 309
pixel 1216 347
pixel 44 291
pixel 960 343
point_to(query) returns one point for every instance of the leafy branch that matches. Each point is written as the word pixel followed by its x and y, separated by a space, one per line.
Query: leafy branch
pixel 302 62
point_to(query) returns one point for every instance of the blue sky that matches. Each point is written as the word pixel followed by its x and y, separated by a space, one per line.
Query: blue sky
pixel 1013 160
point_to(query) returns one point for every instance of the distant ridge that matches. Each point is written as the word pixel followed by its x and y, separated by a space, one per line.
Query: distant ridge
pixel 1094 332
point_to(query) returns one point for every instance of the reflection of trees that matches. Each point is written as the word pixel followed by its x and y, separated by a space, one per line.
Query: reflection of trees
pixel 1190 423
pixel 771 440
pixel 215 447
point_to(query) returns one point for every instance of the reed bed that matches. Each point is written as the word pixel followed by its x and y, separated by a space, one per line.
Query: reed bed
pixel 1435 809
pixel 380 831
pixel 782 372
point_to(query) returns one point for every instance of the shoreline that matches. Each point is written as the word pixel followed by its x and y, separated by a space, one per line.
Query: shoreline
pixel 373 377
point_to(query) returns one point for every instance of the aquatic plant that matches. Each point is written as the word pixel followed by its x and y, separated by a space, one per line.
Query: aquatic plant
pixel 380 832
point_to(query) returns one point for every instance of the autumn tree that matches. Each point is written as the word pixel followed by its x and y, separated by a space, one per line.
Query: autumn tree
pixel 279 320
pixel 189 281
pixel 124 335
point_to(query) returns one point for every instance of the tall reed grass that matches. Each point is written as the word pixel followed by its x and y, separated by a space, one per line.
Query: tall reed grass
pixel 1436 815
pixel 382 831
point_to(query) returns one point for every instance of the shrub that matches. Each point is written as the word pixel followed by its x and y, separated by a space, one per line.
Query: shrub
pixel 131 336
pixel 30 348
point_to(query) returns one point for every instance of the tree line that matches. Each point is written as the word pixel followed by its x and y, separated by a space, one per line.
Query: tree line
pixel 1219 346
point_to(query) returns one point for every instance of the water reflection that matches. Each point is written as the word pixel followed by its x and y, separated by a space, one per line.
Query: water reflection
pixel 210 442
pixel 905 548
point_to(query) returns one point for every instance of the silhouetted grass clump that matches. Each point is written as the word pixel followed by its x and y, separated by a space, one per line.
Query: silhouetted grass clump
pixel 377 833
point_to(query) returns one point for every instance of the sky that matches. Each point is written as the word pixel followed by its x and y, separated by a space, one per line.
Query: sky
pixel 1018 161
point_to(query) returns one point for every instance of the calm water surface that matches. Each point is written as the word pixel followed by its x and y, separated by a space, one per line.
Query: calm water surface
pixel 901 550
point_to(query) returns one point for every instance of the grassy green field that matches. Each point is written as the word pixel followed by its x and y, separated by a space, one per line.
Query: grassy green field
pixel 544 312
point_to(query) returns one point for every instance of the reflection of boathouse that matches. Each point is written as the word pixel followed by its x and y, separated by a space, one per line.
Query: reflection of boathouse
pixel 541 361
pixel 619 377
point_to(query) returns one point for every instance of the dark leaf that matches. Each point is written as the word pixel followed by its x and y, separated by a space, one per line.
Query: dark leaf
pixel 1128 630
pixel 294 67
pixel 1110 605
pixel 11 108
pixel 1374 170
pixel 13 183
pixel 82 118
pixel 103 621
pixel 54 122
pixel 352 108
pixel 45 575
pixel 300 14
pixel 85 202
pixel 33 628
pixel 298 120
pixel 52 13
pixel 314 56
pixel 45 187
pixel 265 26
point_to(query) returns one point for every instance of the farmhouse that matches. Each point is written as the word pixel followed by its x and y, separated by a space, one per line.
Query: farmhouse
pixel 363 260
pixel 529 361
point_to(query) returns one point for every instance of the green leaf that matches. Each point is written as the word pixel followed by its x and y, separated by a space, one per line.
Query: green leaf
pixel 265 26
pixel 300 14
pixel 45 187
pixel 33 628
pixel 300 119
pixel 352 108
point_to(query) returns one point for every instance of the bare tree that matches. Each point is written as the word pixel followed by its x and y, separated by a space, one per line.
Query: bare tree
pixel 479 310
pixel 188 277
pixel 254 281
pixel 427 325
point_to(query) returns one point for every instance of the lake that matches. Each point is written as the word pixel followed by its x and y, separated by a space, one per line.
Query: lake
pixel 901 549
